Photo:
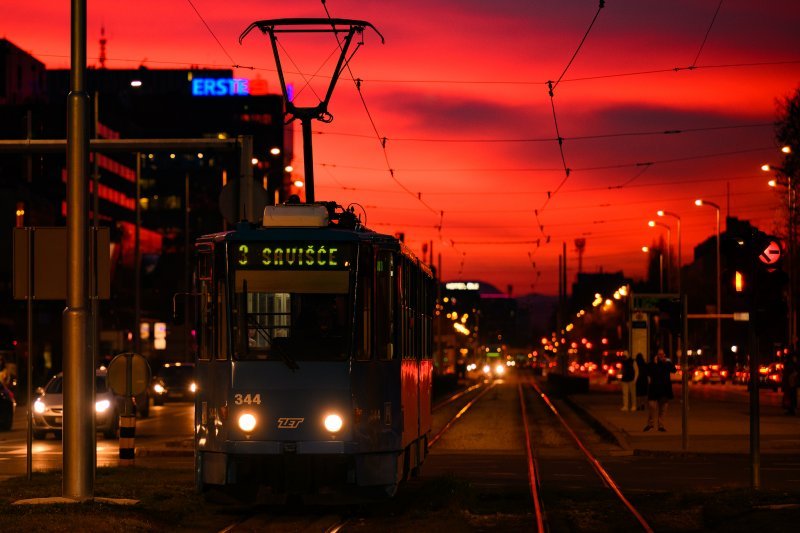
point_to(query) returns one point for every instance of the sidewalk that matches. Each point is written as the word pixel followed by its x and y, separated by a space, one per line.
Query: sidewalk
pixel 715 426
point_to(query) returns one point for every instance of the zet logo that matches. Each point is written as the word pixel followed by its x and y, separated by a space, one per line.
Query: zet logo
pixel 290 423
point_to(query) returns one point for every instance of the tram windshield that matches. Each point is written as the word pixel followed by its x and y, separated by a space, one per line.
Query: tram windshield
pixel 292 316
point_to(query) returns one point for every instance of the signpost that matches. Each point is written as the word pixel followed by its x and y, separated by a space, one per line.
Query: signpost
pixel 128 375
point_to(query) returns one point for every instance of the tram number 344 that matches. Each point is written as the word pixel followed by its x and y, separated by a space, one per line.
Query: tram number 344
pixel 247 399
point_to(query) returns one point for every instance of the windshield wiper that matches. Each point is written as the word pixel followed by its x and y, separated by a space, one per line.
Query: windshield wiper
pixel 262 330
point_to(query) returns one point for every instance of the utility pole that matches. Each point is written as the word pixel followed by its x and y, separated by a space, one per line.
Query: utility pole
pixel 78 430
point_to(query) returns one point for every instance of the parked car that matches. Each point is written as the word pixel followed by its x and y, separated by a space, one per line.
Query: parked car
pixel 7 407
pixel 173 381
pixel 48 409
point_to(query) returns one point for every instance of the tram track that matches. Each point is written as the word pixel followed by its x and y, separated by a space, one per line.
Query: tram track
pixel 561 488
pixel 568 488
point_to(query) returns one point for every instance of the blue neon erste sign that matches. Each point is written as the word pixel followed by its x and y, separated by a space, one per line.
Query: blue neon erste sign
pixel 220 87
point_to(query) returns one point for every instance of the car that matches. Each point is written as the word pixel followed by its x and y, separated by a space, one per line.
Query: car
pixel 769 376
pixel 173 381
pixel 49 407
pixel 709 374
pixel 7 406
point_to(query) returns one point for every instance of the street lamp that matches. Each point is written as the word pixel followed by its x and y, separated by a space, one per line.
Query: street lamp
pixel 699 202
pixel 653 224
pixel 663 213
pixel 790 231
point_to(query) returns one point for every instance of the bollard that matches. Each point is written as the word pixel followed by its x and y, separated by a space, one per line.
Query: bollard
pixel 127 433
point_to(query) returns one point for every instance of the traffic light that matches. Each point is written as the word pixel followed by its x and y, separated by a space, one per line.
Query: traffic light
pixel 755 277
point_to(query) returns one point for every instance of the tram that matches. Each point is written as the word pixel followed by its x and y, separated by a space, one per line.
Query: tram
pixel 314 363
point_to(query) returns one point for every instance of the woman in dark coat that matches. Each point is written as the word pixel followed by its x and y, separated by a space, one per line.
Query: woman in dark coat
pixel 659 391
pixel 641 383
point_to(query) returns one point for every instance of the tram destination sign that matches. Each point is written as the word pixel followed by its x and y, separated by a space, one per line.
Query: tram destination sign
pixel 293 256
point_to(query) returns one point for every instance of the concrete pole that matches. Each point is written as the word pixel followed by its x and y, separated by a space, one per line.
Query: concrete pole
pixel 79 436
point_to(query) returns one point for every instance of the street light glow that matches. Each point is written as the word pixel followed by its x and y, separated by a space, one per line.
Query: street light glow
pixel 651 223
pixel 772 183
pixel 765 167
pixel 786 149
pixel 660 212
pixel 698 202
pixel 645 249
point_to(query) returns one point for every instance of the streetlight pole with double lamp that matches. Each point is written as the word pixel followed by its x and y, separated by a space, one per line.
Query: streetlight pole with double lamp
pixel 719 298
pixel 790 237
pixel 653 224
pixel 662 213
pixel 646 249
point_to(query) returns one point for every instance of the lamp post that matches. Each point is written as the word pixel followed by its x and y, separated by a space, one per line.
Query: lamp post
pixel 662 213
pixel 790 237
pixel 719 299
pixel 653 224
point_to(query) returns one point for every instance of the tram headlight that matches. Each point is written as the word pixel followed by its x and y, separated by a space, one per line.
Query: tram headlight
pixel 499 369
pixel 247 422
pixel 333 423
pixel 102 406
pixel 486 369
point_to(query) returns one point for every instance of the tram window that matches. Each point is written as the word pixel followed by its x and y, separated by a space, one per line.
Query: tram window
pixel 206 321
pixel 205 259
pixel 222 342
pixel 384 306
pixel 364 348
pixel 292 316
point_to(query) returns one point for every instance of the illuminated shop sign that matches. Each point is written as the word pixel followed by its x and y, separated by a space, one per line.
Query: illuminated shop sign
pixel 295 256
pixel 462 286
pixel 228 87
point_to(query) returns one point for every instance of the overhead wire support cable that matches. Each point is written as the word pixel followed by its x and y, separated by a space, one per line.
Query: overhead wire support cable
pixel 580 45
pixel 381 139
pixel 233 62
pixel 551 86
pixel 708 31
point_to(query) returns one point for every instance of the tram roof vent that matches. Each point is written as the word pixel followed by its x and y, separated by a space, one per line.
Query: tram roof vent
pixel 295 216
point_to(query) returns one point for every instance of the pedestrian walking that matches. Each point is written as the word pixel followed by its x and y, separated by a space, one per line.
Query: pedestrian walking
pixel 659 390
pixel 628 382
pixel 641 382
pixel 789 380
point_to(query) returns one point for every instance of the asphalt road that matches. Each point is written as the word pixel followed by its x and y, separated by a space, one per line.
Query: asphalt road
pixel 168 430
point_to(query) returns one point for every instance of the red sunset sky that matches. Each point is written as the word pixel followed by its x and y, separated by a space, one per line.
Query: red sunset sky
pixel 459 92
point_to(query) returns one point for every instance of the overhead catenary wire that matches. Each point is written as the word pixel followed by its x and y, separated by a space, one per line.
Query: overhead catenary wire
pixel 676 131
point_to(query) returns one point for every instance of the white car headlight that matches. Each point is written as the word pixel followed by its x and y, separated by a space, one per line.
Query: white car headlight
pixel 193 387
pixel 159 388
pixel 102 406
pixel 247 422
pixel 333 423
pixel 38 406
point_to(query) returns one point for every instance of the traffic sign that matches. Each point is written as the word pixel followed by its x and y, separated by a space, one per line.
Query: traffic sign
pixel 771 253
